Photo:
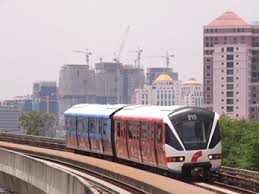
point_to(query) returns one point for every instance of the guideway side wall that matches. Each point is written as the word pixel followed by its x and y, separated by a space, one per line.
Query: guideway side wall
pixel 25 175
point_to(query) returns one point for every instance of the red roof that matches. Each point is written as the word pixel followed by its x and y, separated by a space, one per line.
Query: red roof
pixel 228 19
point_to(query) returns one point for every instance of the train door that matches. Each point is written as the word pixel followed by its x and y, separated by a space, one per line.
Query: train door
pixel 120 139
pixel 159 144
pixel 106 136
pixel 82 134
pixel 147 143
pixel 134 141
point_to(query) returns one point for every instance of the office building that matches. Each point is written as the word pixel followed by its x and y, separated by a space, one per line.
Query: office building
pixel 44 97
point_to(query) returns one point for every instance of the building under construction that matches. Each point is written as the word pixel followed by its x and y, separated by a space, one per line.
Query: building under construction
pixel 76 85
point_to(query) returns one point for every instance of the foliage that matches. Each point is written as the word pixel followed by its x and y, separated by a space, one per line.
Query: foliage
pixel 36 123
pixel 240 141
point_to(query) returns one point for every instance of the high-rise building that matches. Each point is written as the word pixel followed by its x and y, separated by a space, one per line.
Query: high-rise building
pixel 76 85
pixel 44 97
pixel 192 93
pixel 231 67
pixel 154 72
pixel 23 103
pixel 133 78
pixel 109 82
pixel 9 118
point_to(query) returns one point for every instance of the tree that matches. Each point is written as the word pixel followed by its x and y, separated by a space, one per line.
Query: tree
pixel 37 123
pixel 240 142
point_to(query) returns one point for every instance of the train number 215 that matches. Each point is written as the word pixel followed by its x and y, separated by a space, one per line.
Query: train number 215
pixel 192 117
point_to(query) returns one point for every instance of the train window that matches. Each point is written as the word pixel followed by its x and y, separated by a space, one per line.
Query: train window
pixel 159 132
pixel 85 120
pixel 145 131
pixel 216 137
pixel 123 128
pixel 130 131
pixel 171 140
pixel 105 125
pixel 100 125
pixel 137 128
pixel 118 128
pixel 91 125
pixel 193 129
pixel 80 125
pixel 68 123
pixel 151 127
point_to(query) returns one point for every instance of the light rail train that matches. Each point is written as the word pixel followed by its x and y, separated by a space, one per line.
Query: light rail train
pixel 180 139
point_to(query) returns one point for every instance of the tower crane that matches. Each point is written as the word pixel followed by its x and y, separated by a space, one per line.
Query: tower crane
pixel 117 57
pixel 166 57
pixel 137 61
pixel 86 53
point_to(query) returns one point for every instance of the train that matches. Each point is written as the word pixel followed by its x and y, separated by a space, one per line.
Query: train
pixel 179 139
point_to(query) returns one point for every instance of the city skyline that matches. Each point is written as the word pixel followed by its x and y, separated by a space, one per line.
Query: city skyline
pixel 39 37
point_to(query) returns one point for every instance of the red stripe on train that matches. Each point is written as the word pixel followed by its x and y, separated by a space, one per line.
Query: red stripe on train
pixel 196 156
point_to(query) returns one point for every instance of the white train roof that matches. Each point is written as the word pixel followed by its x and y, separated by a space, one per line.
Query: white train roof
pixel 142 112
pixel 93 110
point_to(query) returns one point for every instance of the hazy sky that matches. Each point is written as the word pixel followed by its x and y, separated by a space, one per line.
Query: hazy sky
pixel 38 36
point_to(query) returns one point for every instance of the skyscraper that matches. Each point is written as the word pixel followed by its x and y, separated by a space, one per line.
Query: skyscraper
pixel 44 97
pixel 231 67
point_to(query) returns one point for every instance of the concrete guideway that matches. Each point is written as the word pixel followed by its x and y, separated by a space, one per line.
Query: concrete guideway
pixel 148 181
pixel 25 175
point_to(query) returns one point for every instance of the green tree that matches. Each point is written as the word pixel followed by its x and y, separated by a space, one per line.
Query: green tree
pixel 240 141
pixel 37 123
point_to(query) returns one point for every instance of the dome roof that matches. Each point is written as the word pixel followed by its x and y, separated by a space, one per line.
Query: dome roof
pixel 163 77
pixel 228 19
pixel 192 81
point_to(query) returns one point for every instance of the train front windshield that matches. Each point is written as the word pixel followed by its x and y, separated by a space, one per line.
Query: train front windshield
pixel 193 126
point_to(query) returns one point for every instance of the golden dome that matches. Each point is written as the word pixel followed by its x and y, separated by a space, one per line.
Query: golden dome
pixel 192 81
pixel 163 77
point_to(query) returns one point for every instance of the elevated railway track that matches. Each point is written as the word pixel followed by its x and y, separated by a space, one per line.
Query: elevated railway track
pixel 230 179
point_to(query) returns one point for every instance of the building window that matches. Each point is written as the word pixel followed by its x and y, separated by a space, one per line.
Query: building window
pixel 230 49
pixel 222 107
pixel 222 100
pixel 230 64
pixel 230 57
pixel 230 101
pixel 222 92
pixel 230 71
pixel 230 94
pixel 222 85
pixel 222 78
pixel 230 108
pixel 230 86
pixel 230 79
pixel 222 70
pixel 222 49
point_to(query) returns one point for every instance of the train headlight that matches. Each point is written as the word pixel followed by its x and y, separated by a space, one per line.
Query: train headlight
pixel 175 159
pixel 214 156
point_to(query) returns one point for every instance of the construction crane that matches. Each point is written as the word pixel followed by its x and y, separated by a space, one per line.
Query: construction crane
pixel 86 53
pixel 166 57
pixel 137 61
pixel 117 57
